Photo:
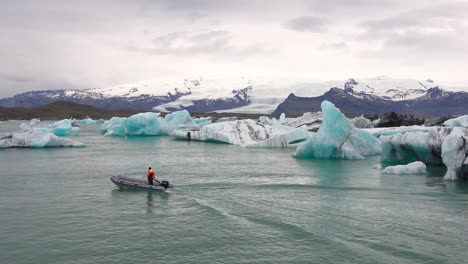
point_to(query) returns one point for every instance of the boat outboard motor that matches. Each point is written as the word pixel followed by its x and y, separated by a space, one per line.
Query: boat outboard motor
pixel 165 184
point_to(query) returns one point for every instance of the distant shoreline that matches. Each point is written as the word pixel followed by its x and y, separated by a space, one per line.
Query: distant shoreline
pixel 63 109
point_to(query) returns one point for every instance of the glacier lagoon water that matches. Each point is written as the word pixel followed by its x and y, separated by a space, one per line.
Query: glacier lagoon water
pixel 230 205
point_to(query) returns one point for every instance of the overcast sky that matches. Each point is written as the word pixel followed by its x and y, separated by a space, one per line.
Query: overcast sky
pixel 84 44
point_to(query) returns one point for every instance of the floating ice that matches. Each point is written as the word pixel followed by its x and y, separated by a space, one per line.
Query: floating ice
pixel 177 120
pixel 142 124
pixel 416 167
pixel 31 124
pixel 88 120
pixel 461 121
pixel 425 146
pixel 63 127
pixel 35 138
pixel 362 122
pixel 309 120
pixel 338 138
pixel 147 124
pixel 438 145
pixel 246 133
pixel 454 153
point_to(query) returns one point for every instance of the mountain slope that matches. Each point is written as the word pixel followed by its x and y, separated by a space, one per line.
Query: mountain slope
pixel 242 95
pixel 434 102
pixel 60 110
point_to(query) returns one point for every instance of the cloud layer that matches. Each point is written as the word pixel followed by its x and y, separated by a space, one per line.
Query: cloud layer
pixel 83 44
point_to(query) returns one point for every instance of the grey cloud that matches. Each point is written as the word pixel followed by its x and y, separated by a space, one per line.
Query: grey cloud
pixel 307 23
pixel 207 42
pixel 334 45
pixel 437 30
pixel 15 78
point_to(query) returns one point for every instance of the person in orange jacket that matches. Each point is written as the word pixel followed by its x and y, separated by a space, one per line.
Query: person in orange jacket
pixel 150 175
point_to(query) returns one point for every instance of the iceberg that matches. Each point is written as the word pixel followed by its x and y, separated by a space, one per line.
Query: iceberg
pixel 35 138
pixel 416 167
pixel 362 122
pixel 142 124
pixel 245 133
pixel 147 124
pixel 437 146
pixel 177 120
pixel 454 155
pixel 31 124
pixel 461 121
pixel 338 138
pixel 310 120
pixel 88 120
pixel 64 127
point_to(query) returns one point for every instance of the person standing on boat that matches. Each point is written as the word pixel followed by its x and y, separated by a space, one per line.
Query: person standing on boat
pixel 150 175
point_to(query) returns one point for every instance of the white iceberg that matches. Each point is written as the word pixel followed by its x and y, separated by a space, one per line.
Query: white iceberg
pixel 246 133
pixel 338 138
pixel 31 124
pixel 416 167
pixel 362 122
pixel 310 120
pixel 454 155
pixel 35 138
pixel 461 121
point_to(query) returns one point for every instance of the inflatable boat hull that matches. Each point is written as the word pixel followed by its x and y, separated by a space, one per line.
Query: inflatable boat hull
pixel 122 181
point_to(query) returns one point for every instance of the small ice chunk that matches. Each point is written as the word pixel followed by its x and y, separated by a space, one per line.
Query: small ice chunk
pixel 416 167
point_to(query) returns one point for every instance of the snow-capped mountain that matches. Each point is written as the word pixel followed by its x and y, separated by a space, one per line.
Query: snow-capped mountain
pixel 248 95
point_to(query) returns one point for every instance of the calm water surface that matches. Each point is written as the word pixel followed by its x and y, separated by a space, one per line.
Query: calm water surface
pixel 230 205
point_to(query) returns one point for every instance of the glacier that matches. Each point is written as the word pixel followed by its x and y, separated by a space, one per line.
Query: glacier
pixel 461 121
pixel 338 138
pixel 35 138
pixel 416 167
pixel 245 133
pixel 147 124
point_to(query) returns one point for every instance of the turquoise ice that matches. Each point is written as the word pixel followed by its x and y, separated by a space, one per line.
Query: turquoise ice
pixel 338 138
pixel 147 124
pixel 88 120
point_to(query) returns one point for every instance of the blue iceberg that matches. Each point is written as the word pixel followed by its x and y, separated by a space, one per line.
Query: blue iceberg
pixel 142 124
pixel 338 138
pixel 64 128
pixel 147 124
